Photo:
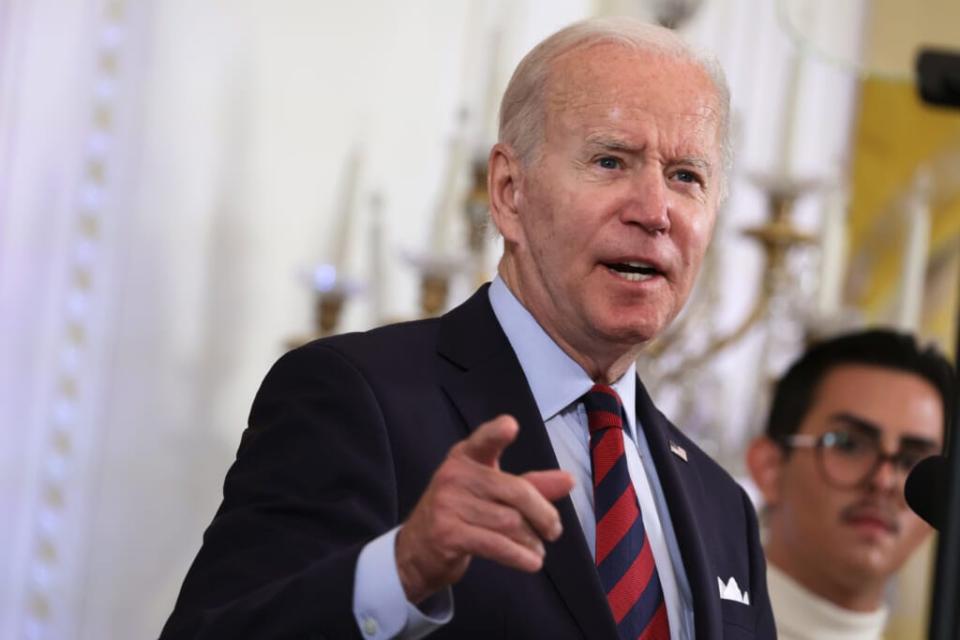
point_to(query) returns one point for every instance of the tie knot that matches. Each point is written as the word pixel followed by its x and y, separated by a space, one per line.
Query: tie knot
pixel 603 408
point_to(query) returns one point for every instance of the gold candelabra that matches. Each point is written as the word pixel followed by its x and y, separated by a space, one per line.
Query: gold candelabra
pixel 777 237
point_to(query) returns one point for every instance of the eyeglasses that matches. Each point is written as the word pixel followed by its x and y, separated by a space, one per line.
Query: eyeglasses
pixel 849 458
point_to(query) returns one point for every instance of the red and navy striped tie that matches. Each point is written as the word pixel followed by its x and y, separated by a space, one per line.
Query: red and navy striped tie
pixel 624 559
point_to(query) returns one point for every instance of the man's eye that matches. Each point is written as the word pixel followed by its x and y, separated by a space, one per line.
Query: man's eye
pixel 909 457
pixel 609 162
pixel 851 445
pixel 687 176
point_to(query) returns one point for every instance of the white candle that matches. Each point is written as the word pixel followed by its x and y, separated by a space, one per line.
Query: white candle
pixel 377 270
pixel 346 209
pixel 450 199
pixel 788 127
pixel 833 252
pixel 914 266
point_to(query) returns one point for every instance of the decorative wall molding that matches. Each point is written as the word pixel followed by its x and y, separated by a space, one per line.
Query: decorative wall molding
pixel 49 589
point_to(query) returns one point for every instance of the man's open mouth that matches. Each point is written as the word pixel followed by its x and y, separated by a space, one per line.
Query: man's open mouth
pixel 633 271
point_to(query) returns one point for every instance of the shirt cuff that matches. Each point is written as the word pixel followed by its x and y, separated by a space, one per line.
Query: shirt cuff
pixel 381 608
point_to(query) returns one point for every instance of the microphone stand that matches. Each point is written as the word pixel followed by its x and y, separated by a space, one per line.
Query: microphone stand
pixel 945 610
pixel 938 83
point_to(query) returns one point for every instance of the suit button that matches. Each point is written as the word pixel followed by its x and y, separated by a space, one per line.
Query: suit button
pixel 370 626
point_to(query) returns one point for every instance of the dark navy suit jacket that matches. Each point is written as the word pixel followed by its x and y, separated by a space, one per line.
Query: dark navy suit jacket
pixel 344 435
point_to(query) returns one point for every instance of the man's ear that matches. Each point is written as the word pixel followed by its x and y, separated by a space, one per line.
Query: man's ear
pixel 504 188
pixel 765 463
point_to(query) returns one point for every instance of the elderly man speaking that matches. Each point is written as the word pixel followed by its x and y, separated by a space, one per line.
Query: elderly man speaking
pixel 500 472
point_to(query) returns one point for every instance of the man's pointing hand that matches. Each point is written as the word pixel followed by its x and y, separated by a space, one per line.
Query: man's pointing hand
pixel 471 507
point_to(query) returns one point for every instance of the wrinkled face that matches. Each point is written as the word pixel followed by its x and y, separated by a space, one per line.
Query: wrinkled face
pixel 848 538
pixel 615 211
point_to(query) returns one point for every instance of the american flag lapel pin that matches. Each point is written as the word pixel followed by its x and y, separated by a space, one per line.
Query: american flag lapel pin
pixel 678 451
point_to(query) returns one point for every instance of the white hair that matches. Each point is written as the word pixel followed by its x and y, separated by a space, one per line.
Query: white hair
pixel 522 106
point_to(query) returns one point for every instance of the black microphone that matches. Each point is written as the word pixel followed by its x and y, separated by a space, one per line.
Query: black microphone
pixel 926 490
pixel 938 77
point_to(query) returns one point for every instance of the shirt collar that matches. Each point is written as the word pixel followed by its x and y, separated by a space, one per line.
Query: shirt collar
pixel 555 379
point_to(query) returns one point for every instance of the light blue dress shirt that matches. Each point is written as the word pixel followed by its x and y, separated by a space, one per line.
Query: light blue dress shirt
pixel 557 383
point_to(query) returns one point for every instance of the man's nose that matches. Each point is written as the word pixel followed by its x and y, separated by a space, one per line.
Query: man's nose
pixel 648 203
pixel 887 474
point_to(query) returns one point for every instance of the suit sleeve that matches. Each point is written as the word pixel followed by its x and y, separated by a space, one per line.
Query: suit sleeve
pixel 312 483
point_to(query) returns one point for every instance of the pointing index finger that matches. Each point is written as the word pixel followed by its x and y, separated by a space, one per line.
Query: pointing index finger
pixel 486 444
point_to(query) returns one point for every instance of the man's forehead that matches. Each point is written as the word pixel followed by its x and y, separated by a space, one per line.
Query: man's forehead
pixel 633 85
pixel 615 66
pixel 869 377
pixel 892 400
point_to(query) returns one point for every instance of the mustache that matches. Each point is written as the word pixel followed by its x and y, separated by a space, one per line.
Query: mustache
pixel 884 512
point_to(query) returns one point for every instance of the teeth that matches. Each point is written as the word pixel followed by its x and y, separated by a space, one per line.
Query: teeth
pixel 639 265
pixel 632 277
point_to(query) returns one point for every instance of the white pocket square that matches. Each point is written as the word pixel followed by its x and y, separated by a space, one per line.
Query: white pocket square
pixel 678 451
pixel 731 591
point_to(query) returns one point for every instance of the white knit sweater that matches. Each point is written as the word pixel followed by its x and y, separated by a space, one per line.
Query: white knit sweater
pixel 803 615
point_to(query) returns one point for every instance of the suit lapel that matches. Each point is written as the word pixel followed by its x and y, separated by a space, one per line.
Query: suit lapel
pixel 683 492
pixel 490 382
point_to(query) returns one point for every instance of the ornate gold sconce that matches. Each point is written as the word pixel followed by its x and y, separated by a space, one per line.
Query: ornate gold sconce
pixel 477 210
pixel 777 238
pixel 330 292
